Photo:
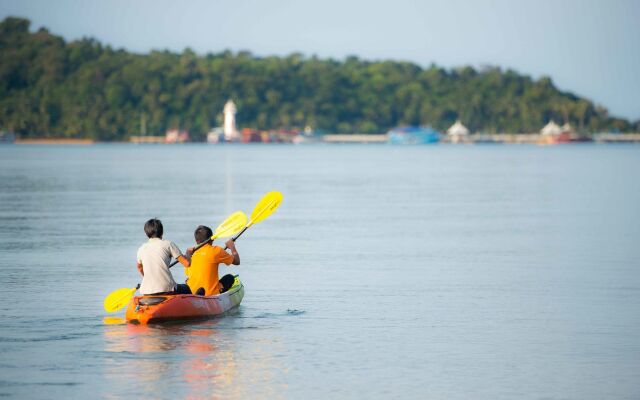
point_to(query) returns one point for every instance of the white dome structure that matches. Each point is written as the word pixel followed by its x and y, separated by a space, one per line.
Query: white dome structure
pixel 458 129
pixel 567 128
pixel 551 129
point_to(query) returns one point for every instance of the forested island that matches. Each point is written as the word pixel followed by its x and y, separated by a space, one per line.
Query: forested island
pixel 83 89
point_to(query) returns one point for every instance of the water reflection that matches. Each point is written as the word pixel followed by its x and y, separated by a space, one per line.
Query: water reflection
pixel 114 321
pixel 191 360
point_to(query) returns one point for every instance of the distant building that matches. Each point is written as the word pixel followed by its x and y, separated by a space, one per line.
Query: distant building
pixel 567 128
pixel 552 133
pixel 216 135
pixel 457 132
pixel 551 129
pixel 458 129
pixel 250 135
pixel 176 136
pixel 231 133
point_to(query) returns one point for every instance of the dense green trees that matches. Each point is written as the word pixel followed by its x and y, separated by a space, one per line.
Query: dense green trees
pixel 49 88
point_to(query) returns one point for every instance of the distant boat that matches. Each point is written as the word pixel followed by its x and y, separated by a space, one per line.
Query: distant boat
pixel 307 136
pixel 413 135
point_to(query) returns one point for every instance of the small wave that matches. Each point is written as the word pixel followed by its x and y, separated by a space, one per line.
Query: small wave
pixel 265 315
pixel 287 313
pixel 43 339
pixel 16 383
pixel 57 383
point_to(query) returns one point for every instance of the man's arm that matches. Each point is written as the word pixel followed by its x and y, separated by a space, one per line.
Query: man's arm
pixel 177 254
pixel 184 261
pixel 187 256
pixel 234 252
pixel 140 269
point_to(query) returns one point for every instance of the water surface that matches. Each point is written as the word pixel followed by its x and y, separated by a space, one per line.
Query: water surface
pixel 487 272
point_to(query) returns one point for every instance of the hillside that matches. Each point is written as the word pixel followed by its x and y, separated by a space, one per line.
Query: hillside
pixel 82 89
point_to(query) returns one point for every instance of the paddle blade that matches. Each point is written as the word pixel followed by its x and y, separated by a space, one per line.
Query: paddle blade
pixel 231 225
pixel 266 206
pixel 118 299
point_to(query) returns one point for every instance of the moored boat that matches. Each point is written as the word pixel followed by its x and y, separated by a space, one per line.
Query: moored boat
pixel 413 135
pixel 159 308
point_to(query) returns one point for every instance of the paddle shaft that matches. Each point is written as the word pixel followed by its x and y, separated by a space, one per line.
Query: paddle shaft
pixel 239 234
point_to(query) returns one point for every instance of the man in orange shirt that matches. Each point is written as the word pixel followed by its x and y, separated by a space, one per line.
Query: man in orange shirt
pixel 203 272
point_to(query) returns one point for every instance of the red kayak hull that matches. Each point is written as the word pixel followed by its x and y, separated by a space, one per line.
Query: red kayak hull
pixel 160 308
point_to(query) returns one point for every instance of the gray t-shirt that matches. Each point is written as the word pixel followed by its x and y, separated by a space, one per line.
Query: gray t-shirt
pixel 155 256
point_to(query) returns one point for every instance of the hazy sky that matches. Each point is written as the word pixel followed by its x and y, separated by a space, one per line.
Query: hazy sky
pixel 588 47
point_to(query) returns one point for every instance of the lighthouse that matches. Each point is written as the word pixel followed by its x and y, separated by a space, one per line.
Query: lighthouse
pixel 231 133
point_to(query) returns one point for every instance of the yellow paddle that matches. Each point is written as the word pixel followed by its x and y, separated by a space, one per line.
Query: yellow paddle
pixel 119 298
pixel 229 227
pixel 265 207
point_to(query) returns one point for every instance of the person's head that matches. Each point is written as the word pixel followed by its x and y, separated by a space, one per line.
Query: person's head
pixel 202 234
pixel 153 228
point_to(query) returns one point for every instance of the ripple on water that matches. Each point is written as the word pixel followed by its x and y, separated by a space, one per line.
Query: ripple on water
pixel 53 338
pixel 287 313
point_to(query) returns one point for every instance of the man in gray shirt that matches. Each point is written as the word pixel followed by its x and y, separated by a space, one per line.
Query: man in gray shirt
pixel 154 258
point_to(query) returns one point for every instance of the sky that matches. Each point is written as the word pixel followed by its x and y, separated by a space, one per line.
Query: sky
pixel 588 47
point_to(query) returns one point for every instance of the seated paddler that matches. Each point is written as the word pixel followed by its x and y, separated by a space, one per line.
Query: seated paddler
pixel 203 271
pixel 154 258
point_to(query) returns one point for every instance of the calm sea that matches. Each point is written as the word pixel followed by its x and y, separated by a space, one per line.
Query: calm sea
pixel 442 272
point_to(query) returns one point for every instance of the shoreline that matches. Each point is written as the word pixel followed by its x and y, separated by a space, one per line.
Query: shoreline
pixel 55 141
pixel 503 138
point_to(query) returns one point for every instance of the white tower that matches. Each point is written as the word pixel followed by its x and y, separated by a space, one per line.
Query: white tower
pixel 231 133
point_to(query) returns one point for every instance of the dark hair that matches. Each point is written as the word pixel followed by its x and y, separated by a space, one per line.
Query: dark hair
pixel 202 234
pixel 153 228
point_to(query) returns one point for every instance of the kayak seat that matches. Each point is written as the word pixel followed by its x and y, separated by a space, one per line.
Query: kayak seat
pixel 151 301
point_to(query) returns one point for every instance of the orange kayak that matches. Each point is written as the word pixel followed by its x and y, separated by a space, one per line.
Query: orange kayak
pixel 159 308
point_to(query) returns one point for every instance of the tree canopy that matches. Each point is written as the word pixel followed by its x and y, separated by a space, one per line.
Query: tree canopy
pixel 83 89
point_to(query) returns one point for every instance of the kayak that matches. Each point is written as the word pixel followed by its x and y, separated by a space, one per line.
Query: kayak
pixel 159 308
